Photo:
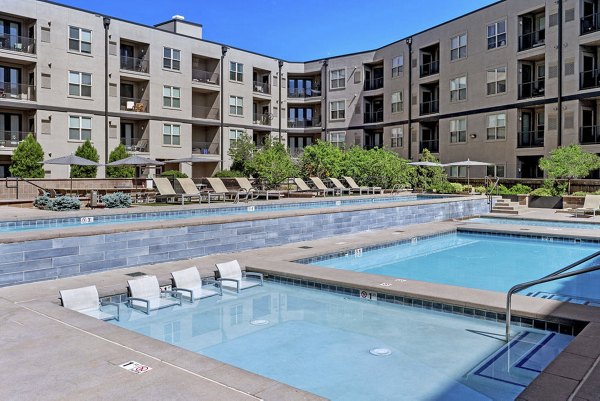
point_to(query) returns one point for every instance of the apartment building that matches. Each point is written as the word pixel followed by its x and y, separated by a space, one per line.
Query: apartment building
pixel 504 84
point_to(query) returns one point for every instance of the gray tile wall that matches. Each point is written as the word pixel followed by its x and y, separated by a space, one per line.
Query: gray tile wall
pixel 23 262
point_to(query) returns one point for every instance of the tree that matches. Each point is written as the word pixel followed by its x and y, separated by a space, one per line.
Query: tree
pixel 375 167
pixel 272 164
pixel 87 151
pixel 323 159
pixel 569 162
pixel 426 177
pixel 119 171
pixel 27 158
pixel 241 153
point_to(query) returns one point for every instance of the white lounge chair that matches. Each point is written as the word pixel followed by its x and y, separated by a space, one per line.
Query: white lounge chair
pixel 360 190
pixel 591 204
pixel 339 186
pixel 85 300
pixel 146 295
pixel 245 185
pixel 189 283
pixel 322 187
pixel 219 189
pixel 231 272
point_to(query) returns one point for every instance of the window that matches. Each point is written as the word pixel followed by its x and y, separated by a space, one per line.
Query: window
pixel 496 34
pixel 458 89
pixel 338 79
pixel 495 171
pixel 172 59
pixel 338 139
pixel 396 102
pixel 236 71
pixel 458 47
pixel 337 110
pixel 458 171
pixel 234 136
pixel 496 81
pixel 80 40
pixel 80 128
pixel 397 66
pixel 236 105
pixel 458 130
pixel 171 134
pixel 171 96
pixel 496 127
pixel 80 84
pixel 397 137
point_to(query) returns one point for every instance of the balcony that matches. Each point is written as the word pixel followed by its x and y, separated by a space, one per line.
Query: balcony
pixel 532 89
pixel 135 64
pixel 302 123
pixel 205 148
pixel 261 119
pixel 10 139
pixel 589 135
pixel 530 139
pixel 205 77
pixel 304 92
pixel 430 107
pixel 375 83
pixel 431 68
pixel 261 87
pixel 589 79
pixel 373 117
pixel 590 23
pixel 208 113
pixel 532 39
pixel 433 145
pixel 9 90
pixel 134 105
pixel 21 44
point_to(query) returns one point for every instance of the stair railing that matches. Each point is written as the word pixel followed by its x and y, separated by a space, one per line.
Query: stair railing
pixel 16 186
pixel 491 183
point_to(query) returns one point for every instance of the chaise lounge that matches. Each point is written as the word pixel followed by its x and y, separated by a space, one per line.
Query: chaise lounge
pixel 146 295
pixel 189 283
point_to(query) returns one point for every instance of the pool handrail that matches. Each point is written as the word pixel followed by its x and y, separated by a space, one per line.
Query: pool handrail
pixel 490 184
pixel 557 275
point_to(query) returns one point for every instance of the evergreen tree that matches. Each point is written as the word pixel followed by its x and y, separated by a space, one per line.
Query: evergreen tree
pixel 87 151
pixel 27 158
pixel 119 171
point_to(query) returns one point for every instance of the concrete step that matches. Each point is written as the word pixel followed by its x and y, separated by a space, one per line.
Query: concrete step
pixel 503 211
pixel 505 207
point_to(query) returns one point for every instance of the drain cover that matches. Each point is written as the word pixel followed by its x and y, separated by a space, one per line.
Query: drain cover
pixel 135 274
pixel 305 247
pixel 380 352
pixel 259 322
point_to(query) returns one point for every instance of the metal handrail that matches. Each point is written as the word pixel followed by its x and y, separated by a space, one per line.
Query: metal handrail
pixel 557 275
pixel 490 192
pixel 16 179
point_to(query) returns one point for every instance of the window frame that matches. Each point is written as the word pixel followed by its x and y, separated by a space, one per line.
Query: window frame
pixel 397 137
pixel 496 128
pixel 497 42
pixel 397 106
pixel 397 67
pixel 457 133
pixel 459 47
pixel 79 40
pixel 174 101
pixel 174 64
pixel 80 128
pixel 341 112
pixel 340 80
pixel 236 74
pixel 238 104
pixel 496 82
pixel 238 132
pixel 80 85
pixel 459 170
pixel 494 167
pixel 340 137
pixel 461 92
pixel 171 134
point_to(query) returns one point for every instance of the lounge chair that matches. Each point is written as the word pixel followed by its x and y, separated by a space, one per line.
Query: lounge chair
pixel 232 276
pixel 166 191
pixel 189 283
pixel 245 185
pixel 146 295
pixel 189 188
pixel 591 204
pixel 323 188
pixel 85 300
pixel 220 190
pixel 360 190
pixel 340 187
pixel 301 186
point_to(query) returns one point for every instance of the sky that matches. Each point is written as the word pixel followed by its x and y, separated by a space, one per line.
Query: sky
pixel 293 30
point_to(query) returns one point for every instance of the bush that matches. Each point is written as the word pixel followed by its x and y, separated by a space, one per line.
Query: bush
pixel 241 153
pixel 425 177
pixel 541 192
pixel 87 151
pixel 119 153
pixel 27 158
pixel 444 187
pixel 323 159
pixel 579 193
pixel 43 202
pixel 65 203
pixel 519 189
pixel 173 174
pixel 229 174
pixel 117 200
pixel 481 189
pixel 272 164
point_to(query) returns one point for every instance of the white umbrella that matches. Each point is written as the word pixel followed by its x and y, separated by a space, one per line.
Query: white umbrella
pixel 468 164
pixel 426 164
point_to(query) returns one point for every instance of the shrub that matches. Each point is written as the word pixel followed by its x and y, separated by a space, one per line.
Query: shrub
pixel 43 202
pixel 323 159
pixel 444 187
pixel 541 192
pixel 481 189
pixel 65 203
pixel 87 151
pixel 119 153
pixel 272 164
pixel 519 189
pixel 242 153
pixel 457 187
pixel 579 193
pixel 116 200
pixel 27 158
pixel 569 162
pixel 229 174
pixel 425 177
pixel 173 174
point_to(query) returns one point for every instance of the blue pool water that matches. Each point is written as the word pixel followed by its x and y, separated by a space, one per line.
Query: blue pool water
pixel 486 262
pixel 559 225
pixel 321 342
pixel 77 221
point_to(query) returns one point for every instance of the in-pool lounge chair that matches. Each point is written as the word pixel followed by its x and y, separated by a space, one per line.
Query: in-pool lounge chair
pixel 231 276
pixel 245 185
pixel 220 190
pixel 352 184
pixel 323 188
pixel 189 283
pixel 591 204
pixel 340 187
pixel 85 300
pixel 145 295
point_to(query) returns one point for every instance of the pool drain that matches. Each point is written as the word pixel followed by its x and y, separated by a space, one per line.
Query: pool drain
pixel 380 352
pixel 259 322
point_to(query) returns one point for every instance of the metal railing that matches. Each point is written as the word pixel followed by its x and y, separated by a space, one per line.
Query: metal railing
pixel 209 113
pixel 589 135
pixel 430 68
pixel 532 39
pixel 302 123
pixel 589 79
pixel 136 144
pixel 491 184
pixel 11 90
pixel 16 186
pixel 205 77
pixel 532 89
pixel 205 148
pixel 261 87
pixel 16 43
pixel 304 92
pixel 135 104
pixel 135 64
pixel 11 139
pixel 376 83
pixel 261 119
pixel 590 23
pixel 530 139
pixel 430 107
pixel 373 117
pixel 433 145
pixel 557 275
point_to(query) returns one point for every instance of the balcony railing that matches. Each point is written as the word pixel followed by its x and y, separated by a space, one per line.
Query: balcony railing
pixel 135 105
pixel 431 68
pixel 373 117
pixel 430 107
pixel 261 87
pixel 589 135
pixel 205 77
pixel 532 39
pixel 590 23
pixel 208 113
pixel 10 90
pixel 16 43
pixel 589 79
pixel 261 119
pixel 532 89
pixel 10 139
pixel 302 123
pixel 530 139
pixel 135 144
pixel 373 84
pixel 433 145
pixel 135 64
pixel 304 92
pixel 205 148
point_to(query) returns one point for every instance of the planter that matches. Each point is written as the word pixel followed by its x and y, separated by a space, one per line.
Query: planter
pixel 546 202
pixel 512 198
pixel 573 202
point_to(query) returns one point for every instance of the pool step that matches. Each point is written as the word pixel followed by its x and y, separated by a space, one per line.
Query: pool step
pixel 564 298
pixel 505 206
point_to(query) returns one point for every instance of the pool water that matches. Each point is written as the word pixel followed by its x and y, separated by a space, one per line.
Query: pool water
pixel 486 262
pixel 321 342
pixel 558 225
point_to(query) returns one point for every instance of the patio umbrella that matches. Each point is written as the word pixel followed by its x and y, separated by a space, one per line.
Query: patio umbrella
pixel 70 160
pixel 135 160
pixel 468 164
pixel 426 164
pixel 193 159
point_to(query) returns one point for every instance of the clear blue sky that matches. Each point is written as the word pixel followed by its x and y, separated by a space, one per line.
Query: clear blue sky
pixel 294 30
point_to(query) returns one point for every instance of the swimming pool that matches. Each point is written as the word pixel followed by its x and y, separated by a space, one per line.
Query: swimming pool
pixel 78 221
pixel 558 225
pixel 483 261
pixel 322 343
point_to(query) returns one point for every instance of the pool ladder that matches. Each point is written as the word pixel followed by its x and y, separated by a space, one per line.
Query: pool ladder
pixel 557 275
